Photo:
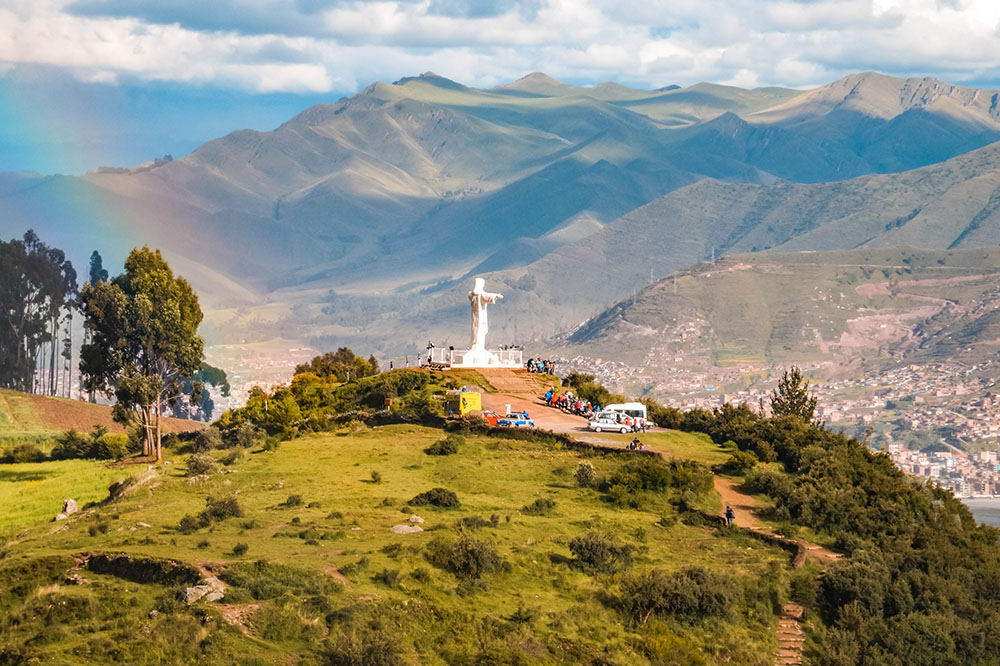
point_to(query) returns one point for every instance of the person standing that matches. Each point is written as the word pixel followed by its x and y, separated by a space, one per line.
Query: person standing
pixel 730 516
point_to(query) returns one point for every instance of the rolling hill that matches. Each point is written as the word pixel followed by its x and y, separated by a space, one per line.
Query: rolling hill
pixel 28 417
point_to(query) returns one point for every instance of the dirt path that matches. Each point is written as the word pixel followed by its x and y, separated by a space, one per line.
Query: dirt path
pixel 523 391
pixel 744 505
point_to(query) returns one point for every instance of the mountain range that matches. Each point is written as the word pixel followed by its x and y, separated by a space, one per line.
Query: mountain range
pixel 357 219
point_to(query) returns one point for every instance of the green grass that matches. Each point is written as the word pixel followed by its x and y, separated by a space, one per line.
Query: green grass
pixel 348 516
pixel 32 493
pixel 674 443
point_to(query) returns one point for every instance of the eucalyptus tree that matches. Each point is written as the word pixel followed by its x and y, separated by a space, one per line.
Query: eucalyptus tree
pixel 143 339
pixel 38 291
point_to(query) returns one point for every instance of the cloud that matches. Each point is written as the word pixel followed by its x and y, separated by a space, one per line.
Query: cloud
pixel 320 45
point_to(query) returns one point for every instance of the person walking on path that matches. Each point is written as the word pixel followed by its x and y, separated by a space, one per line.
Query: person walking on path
pixel 730 516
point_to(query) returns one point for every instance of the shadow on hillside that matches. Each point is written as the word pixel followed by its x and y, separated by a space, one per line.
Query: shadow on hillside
pixel 17 477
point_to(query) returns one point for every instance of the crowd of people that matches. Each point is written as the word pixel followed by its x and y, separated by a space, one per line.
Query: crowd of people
pixel 537 365
pixel 570 403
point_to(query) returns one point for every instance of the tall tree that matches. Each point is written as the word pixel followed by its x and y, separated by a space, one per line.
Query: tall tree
pixel 792 398
pixel 37 288
pixel 97 271
pixel 143 339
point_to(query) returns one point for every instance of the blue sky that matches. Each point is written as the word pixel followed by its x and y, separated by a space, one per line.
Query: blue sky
pixel 85 83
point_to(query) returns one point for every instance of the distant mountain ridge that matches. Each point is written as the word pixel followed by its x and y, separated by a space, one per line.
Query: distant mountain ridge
pixel 381 196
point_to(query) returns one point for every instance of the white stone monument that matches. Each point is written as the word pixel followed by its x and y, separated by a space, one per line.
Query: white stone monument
pixel 478 355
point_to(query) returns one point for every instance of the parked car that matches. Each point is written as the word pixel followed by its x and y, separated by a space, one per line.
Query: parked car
pixel 516 420
pixel 491 417
pixel 609 425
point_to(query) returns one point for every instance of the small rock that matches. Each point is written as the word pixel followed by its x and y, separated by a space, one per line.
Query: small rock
pixel 142 524
pixel 355 529
pixel 197 479
pixel 406 529
pixel 414 518
pixel 60 516
pixel 70 507
pixel 75 579
pixel 154 613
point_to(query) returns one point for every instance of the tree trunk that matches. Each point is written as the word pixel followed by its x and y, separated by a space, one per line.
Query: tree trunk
pixel 147 433
pixel 159 450
pixel 52 357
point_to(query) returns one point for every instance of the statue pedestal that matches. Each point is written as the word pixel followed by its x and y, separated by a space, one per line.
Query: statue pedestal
pixel 476 358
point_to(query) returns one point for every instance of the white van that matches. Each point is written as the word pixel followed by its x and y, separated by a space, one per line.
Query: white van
pixel 636 410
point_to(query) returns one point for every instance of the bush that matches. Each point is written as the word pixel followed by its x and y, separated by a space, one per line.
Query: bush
pixel 739 463
pixel 585 474
pixel 240 549
pixel 222 508
pixel 374 648
pixel 596 553
pixel 292 501
pixel 198 464
pixel 474 523
pixel 24 453
pixel 539 507
pixel 388 577
pixel 206 440
pixel 691 594
pixel 111 446
pixel 249 436
pixel 446 447
pixel 267 580
pixel 376 476
pixel 72 444
pixel 465 557
pixel 440 497
pixel 232 457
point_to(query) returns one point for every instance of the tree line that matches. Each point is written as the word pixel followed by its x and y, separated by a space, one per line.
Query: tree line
pixel 141 347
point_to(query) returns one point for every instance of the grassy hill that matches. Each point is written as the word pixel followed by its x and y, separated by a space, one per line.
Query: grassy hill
pixel 314 572
pixel 796 307
pixel 28 417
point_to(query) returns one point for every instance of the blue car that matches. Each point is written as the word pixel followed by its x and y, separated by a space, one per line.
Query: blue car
pixel 516 420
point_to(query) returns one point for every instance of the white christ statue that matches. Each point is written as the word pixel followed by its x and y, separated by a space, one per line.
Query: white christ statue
pixel 479 298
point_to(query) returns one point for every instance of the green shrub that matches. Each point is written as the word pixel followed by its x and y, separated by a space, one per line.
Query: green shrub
pixel 198 464
pixel 72 444
pixel 222 508
pixel 464 557
pixel 233 457
pixel 691 594
pixel 240 549
pixel 248 436
pixel 376 476
pixel 420 574
pixel 267 580
pixel 24 453
pixel 596 553
pixel 372 648
pixel 206 440
pixel 739 462
pixel 440 497
pixel 111 446
pixel 388 577
pixel 292 501
pixel 474 522
pixel 664 647
pixel 447 446
pixel 585 474
pixel 539 507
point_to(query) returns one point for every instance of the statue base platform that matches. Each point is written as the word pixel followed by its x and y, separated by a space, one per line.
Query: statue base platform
pixel 475 358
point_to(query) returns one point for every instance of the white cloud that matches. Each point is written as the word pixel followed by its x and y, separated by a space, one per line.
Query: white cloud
pixel 343 44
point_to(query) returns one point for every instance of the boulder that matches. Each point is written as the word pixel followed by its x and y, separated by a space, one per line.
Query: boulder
pixel 406 529
pixel 70 507
pixel 210 589
pixel 414 518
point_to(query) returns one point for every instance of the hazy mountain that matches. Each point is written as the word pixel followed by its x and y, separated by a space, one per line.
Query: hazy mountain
pixel 405 186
